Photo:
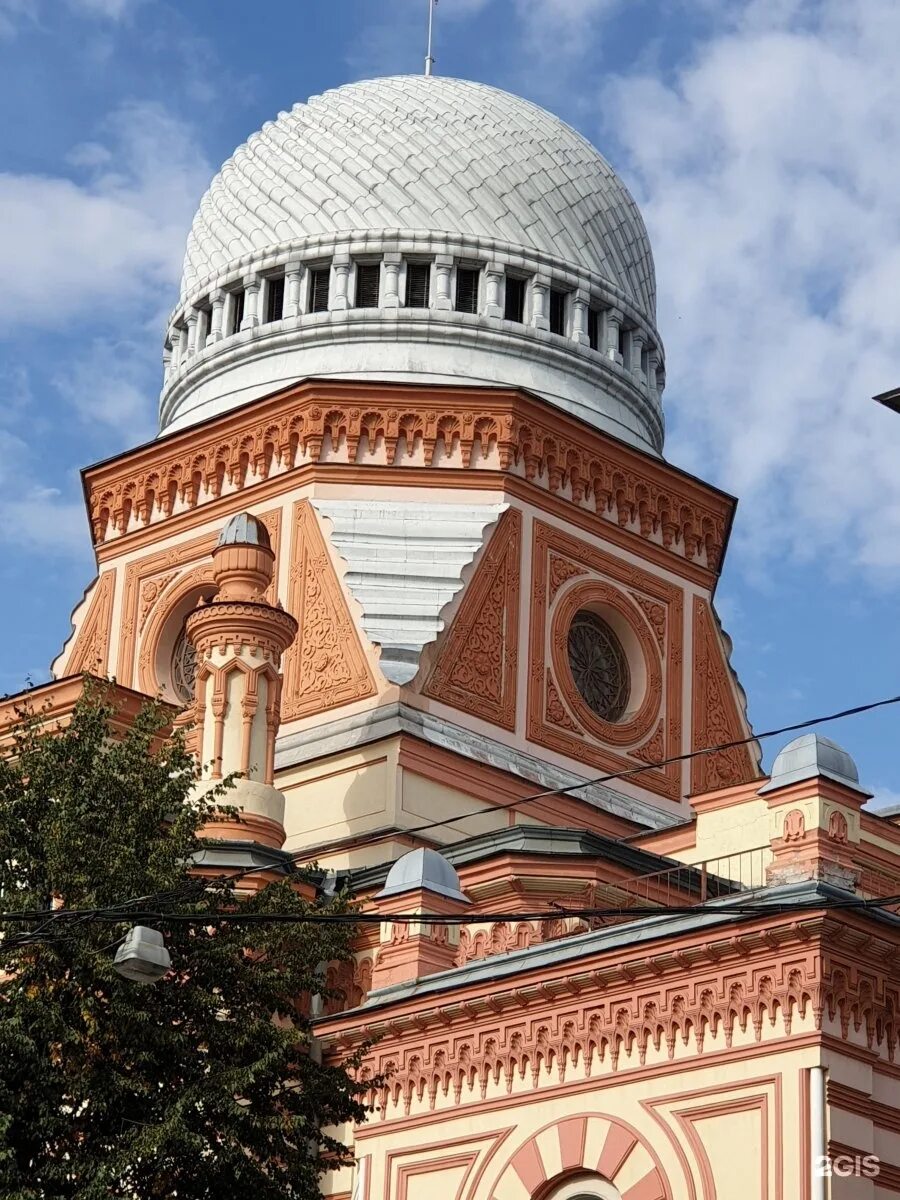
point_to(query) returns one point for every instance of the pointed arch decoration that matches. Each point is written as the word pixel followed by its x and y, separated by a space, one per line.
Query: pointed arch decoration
pixel 476 668
pixel 595 1146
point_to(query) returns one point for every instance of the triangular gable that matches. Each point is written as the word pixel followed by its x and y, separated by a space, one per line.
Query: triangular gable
pixel 477 663
pixel 716 718
pixel 327 665
pixel 90 654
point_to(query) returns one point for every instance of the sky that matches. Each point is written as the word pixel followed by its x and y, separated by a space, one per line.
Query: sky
pixel 761 140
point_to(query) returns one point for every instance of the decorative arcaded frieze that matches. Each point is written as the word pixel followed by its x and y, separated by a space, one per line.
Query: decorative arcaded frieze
pixel 410 428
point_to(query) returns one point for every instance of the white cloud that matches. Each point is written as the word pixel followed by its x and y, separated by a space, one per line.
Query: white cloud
pixel 34 517
pixel 113 383
pixel 79 249
pixel 884 798
pixel 561 28
pixel 769 175
pixel 111 10
pixel 13 13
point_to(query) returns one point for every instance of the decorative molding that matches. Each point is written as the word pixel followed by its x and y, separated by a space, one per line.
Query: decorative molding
pixel 52 703
pixel 326 666
pixel 189 583
pixel 511 771
pixel 598 1143
pixel 151 590
pixel 196 550
pixel 633 727
pixel 676 1114
pixel 553 701
pixel 655 614
pixel 554 709
pixel 716 718
pixel 561 570
pixel 90 654
pixel 759 1104
pixel 477 659
pixel 156 584
pixel 421 429
pixel 568 1033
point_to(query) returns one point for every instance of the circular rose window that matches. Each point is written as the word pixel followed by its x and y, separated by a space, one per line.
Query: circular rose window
pixel 599 666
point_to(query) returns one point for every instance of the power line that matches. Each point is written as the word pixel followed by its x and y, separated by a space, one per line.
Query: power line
pixel 664 762
pixel 124 911
pixel 746 908
pixel 626 773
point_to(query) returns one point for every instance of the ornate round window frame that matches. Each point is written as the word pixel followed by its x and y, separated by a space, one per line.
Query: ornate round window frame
pixel 164 628
pixel 641 651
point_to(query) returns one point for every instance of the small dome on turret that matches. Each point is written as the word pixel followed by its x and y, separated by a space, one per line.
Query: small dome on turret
pixel 422 869
pixel 810 756
pixel 245 530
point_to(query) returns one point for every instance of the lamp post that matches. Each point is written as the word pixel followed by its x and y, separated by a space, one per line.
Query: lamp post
pixel 142 957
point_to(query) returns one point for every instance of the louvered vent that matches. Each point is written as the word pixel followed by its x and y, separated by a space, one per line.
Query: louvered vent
pixel 204 326
pixel 418 284
pixel 557 311
pixel 467 290
pixel 274 298
pixel 319 280
pixel 237 310
pixel 514 305
pixel 594 325
pixel 367 277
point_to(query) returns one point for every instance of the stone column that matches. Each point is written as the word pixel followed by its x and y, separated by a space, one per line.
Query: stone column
pixel 493 279
pixel 239 638
pixel 167 363
pixel 580 304
pixel 181 346
pixel 193 321
pixel 293 289
pixel 252 285
pixel 391 298
pixel 217 318
pixel 443 267
pixel 540 294
pixel 636 348
pixel 613 325
pixel 339 297
pixel 653 367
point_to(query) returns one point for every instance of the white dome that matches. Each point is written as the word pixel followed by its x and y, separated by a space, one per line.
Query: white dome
pixel 417 153
pixel 533 264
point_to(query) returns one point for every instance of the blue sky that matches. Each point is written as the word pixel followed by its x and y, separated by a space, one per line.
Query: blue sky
pixel 761 139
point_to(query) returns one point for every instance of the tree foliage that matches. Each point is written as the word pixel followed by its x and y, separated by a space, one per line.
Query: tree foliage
pixel 187 1088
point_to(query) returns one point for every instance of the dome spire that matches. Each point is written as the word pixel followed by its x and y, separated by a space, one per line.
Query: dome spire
pixel 429 57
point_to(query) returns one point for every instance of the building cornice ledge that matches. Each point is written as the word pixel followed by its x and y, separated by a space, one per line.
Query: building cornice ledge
pixel 390 720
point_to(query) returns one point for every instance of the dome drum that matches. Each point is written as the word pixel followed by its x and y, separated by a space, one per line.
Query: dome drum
pixel 419 230
pixel 600 342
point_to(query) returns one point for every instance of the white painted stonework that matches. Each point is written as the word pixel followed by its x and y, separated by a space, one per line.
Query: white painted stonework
pixel 438 171
pixel 405 561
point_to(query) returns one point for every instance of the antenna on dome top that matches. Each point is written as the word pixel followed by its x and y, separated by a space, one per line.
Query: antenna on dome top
pixel 429 57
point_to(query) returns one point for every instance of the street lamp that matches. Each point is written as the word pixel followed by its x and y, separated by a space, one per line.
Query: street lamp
pixel 142 957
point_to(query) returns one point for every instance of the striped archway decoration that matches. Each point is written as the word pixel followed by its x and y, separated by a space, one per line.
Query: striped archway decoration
pixel 596 1144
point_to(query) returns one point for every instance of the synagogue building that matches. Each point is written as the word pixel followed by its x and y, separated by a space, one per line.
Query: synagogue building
pixel 409 555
